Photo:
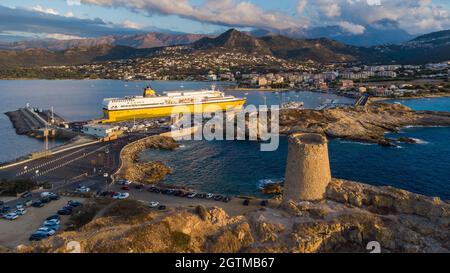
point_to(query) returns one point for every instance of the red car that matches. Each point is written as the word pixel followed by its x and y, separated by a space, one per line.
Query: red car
pixel 125 188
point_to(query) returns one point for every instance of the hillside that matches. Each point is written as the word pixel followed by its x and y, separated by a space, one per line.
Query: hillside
pixel 73 56
pixel 434 47
pixel 147 40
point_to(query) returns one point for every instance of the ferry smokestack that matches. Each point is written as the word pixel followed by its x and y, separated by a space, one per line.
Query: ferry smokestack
pixel 308 168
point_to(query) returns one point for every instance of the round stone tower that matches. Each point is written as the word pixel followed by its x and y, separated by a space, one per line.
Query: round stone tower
pixel 308 168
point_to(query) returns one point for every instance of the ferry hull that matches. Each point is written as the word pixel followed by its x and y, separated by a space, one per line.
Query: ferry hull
pixel 165 111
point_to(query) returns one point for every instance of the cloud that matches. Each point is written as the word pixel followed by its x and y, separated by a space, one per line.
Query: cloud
pixel 59 36
pixel 41 9
pixel 73 2
pixel 220 12
pixel 415 16
pixel 352 28
pixel 133 25
pixel 21 23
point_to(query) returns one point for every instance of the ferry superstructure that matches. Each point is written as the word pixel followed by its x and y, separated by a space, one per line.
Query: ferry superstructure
pixel 150 105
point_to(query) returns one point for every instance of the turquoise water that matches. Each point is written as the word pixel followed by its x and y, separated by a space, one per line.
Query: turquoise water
pixel 239 167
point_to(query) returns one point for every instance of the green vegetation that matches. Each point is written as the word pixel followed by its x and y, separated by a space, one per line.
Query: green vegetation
pixel 43 73
pixel 180 239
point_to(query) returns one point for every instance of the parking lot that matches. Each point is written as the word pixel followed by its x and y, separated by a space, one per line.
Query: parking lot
pixel 234 207
pixel 17 232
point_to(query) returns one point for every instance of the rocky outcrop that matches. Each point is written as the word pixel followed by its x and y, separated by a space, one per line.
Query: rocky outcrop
pixel 367 124
pixel 134 169
pixel 352 215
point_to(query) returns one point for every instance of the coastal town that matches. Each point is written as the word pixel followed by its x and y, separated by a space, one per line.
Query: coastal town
pixel 271 73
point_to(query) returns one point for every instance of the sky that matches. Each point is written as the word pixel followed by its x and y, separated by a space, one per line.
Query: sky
pixel 71 19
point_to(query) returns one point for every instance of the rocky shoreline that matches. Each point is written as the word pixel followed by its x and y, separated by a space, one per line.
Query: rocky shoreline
pixel 364 124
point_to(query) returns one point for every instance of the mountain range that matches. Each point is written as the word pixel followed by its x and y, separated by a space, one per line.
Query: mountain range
pixel 434 47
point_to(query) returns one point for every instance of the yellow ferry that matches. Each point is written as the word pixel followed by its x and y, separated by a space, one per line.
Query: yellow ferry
pixel 150 105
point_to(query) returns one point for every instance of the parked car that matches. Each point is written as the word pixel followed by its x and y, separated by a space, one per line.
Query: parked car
pixel 162 207
pixel 20 211
pixel 153 204
pixel 27 195
pixel 11 216
pixel 5 209
pixel 209 196
pixel 264 203
pixel 54 196
pixel 218 197
pixel 38 204
pixel 19 206
pixel 227 199
pixel 83 189
pixel 52 222
pixel 45 200
pixel 124 182
pixel 246 202
pixel 74 204
pixel 64 212
pixel 28 203
pixel 2 203
pixel 47 231
pixel 56 216
pixel 45 194
pixel 192 195
pixel 55 227
pixel 120 196
pixel 125 188
pixel 201 196
pixel 37 236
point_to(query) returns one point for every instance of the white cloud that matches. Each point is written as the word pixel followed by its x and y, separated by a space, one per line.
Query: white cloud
pixel 415 16
pixel 73 2
pixel 221 12
pixel 59 36
pixel 352 28
pixel 41 9
pixel 130 24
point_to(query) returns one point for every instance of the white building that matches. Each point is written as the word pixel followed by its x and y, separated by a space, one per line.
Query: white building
pixel 100 130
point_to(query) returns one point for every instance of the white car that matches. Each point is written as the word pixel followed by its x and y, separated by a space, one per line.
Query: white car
pixel 124 182
pixel 52 222
pixel 209 196
pixel 11 216
pixel 83 189
pixel 153 204
pixel 47 231
pixel 120 196
pixel 20 211
pixel 192 195
pixel 45 194
pixel 105 175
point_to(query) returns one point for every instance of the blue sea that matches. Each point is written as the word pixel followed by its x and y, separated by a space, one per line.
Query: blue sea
pixel 239 167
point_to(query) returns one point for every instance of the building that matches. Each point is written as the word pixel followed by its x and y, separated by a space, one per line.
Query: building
pixel 100 130
pixel 346 84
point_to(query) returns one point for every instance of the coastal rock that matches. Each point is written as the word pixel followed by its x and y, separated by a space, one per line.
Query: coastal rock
pixel 134 169
pixel 365 124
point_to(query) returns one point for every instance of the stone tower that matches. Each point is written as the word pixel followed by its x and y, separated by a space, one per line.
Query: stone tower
pixel 308 168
